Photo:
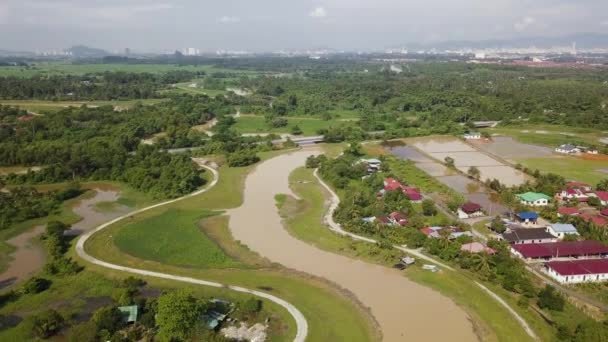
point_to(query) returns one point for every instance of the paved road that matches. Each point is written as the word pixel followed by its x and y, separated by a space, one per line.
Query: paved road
pixel 301 323
pixel 334 226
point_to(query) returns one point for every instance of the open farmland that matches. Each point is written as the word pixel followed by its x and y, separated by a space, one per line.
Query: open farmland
pixel 54 106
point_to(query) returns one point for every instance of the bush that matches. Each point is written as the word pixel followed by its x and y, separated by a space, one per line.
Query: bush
pixel 428 208
pixel 278 122
pixel 62 266
pixel 35 285
pixel 295 130
pixel 252 306
pixel 47 324
pixel 313 162
pixel 242 158
pixel 549 298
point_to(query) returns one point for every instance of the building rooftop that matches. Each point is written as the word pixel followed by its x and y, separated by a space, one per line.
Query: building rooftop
pixel 532 196
pixel 527 234
pixel 563 228
pixel 602 195
pixel 562 249
pixel 579 267
pixel 129 313
pixel 527 215
pixel 568 210
pixel 470 207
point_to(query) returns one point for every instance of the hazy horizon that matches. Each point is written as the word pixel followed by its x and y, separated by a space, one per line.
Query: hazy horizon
pixel 162 25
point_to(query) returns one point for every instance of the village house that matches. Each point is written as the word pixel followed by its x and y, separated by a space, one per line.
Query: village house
pixel 373 165
pixel 574 194
pixel 391 184
pixel 528 236
pixel 469 210
pixel 595 219
pixel 602 196
pixel 567 211
pixel 534 199
pixel 588 249
pixel 476 247
pixel 472 136
pixel 579 185
pixel 398 218
pixel 560 230
pixel 567 149
pixel 604 212
pixel 577 271
pixel 527 218
pixel 435 232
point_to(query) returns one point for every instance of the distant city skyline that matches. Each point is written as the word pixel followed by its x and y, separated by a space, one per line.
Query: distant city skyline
pixel 270 25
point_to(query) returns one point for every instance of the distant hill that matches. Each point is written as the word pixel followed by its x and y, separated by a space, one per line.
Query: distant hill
pixel 81 51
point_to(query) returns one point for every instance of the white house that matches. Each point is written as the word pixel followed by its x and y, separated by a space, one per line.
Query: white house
pixel 560 230
pixel 578 271
pixel 534 199
pixel 567 149
pixel 472 135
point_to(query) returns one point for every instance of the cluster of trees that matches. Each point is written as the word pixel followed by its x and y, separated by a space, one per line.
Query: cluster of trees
pixel 23 203
pixel 94 86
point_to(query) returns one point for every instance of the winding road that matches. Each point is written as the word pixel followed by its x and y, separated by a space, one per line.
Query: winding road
pixel 301 323
pixel 402 308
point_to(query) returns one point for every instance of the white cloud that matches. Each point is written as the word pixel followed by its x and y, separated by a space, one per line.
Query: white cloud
pixel 318 12
pixel 229 19
pixel 524 23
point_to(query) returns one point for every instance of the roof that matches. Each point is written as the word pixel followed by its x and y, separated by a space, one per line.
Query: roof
pixel 604 212
pixel 472 134
pixel 602 195
pixel 595 219
pixel 532 196
pixel 398 216
pixel 412 193
pixel 470 207
pixel 561 249
pixel 391 184
pixel 563 228
pixel 579 267
pixel 568 210
pixel 476 247
pixel 527 234
pixel 574 184
pixel 129 313
pixel 528 215
pixel 567 147
pixel 383 219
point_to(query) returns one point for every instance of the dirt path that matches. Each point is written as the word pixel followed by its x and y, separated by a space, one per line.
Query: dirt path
pixel 301 323
pixel 28 257
pixel 402 308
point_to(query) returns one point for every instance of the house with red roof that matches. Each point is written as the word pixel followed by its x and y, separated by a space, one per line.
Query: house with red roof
pixel 603 197
pixel 567 211
pixel 391 184
pixel 587 249
pixel 469 210
pixel 579 185
pixel 573 194
pixel 604 212
pixel 398 218
pixel 412 194
pixel 577 271
pixel 596 219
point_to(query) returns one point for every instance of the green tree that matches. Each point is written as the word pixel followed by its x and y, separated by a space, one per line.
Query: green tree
pixel 177 315
pixel 602 185
pixel 474 172
pixel 296 130
pixel 35 285
pixel 108 320
pixel 549 298
pixel 47 324
pixel 428 208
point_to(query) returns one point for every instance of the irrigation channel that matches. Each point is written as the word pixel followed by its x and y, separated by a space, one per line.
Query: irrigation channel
pixel 301 323
pixel 402 308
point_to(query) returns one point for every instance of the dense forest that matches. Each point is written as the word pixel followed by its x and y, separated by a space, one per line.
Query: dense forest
pixel 95 86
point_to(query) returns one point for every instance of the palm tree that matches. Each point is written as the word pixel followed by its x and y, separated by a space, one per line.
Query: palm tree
pixel 481 264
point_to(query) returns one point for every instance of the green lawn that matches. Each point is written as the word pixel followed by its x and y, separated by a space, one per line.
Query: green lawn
pixel 54 106
pixel 491 320
pixel 309 126
pixel 549 135
pixel 572 168
pixel 173 238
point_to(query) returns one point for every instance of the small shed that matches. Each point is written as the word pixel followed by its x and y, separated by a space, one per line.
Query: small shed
pixel 129 313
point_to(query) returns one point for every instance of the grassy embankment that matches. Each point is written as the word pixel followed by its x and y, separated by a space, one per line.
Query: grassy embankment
pixel 211 253
pixel 39 106
pixel 493 322
pixel 570 167
pixel 308 125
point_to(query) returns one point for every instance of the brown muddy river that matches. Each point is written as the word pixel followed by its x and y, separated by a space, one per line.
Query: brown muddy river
pixel 29 257
pixel 404 310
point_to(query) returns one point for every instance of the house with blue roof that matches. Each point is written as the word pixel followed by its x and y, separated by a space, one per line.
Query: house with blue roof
pixel 560 230
pixel 527 217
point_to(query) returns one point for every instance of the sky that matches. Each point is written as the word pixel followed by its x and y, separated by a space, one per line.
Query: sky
pixel 270 25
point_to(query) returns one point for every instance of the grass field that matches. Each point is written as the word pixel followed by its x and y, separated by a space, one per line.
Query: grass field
pixel 308 125
pixel 173 238
pixel 54 106
pixel 550 135
pixel 572 168
pixel 331 316
pixel 492 321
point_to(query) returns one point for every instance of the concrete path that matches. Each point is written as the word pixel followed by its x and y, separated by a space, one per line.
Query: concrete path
pixel 334 226
pixel 301 323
